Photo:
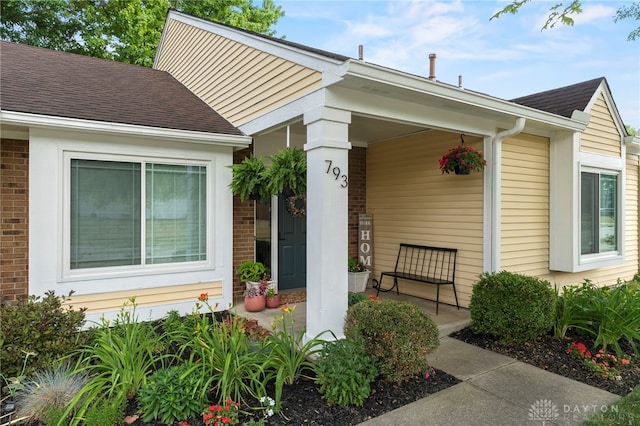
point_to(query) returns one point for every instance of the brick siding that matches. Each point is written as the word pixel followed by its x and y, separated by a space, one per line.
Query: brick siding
pixel 357 194
pixel 243 231
pixel 14 220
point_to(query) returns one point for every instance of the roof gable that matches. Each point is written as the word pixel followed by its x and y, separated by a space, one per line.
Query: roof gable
pixel 47 82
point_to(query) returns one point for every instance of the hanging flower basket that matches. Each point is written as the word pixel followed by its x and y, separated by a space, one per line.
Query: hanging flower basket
pixel 462 160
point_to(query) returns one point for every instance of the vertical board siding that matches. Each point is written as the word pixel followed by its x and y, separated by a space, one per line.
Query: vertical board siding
pixel 524 243
pixel 236 80
pixel 412 202
pixel 601 135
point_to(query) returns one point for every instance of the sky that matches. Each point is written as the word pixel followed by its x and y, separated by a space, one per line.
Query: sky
pixel 507 57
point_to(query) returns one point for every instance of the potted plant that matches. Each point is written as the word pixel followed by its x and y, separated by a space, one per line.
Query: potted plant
pixel 358 276
pixel 255 297
pixel 287 173
pixel 273 298
pixel 462 160
pixel 252 273
pixel 249 179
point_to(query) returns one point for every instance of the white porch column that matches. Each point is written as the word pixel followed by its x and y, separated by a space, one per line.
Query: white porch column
pixel 327 150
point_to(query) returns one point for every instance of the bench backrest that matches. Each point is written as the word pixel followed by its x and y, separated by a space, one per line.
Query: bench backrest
pixel 425 261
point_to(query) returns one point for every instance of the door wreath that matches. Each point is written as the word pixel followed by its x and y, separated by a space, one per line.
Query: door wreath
pixel 297 205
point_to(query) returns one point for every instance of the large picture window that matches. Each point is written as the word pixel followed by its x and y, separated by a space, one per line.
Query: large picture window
pixel 599 212
pixel 136 213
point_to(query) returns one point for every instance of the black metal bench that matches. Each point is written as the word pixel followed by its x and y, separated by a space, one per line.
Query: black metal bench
pixel 430 265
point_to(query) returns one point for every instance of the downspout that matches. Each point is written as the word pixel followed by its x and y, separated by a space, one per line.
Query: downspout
pixel 496 177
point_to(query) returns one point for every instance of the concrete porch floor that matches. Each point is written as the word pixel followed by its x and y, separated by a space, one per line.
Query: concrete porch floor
pixel 449 318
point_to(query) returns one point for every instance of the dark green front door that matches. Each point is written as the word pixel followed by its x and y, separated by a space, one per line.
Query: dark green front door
pixel 292 248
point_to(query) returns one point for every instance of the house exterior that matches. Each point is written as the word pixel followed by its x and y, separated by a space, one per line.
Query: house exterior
pixel 558 198
pixel 114 185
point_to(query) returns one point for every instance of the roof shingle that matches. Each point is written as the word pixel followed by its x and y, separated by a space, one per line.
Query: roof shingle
pixel 564 100
pixel 47 82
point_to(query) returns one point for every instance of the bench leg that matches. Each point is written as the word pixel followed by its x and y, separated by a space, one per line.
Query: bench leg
pixel 455 295
pixel 380 289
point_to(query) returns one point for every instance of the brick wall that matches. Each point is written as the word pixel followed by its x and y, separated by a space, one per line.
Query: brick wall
pixel 243 231
pixel 357 194
pixel 14 220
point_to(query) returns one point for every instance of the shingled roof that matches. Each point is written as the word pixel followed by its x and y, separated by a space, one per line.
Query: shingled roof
pixel 564 100
pixel 47 82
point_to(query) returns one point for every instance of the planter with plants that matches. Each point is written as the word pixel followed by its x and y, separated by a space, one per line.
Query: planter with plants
pixel 273 298
pixel 462 160
pixel 358 276
pixel 252 273
pixel 255 299
pixel 287 173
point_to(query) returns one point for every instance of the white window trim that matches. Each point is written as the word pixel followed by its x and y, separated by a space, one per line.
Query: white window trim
pixel 595 163
pixel 70 275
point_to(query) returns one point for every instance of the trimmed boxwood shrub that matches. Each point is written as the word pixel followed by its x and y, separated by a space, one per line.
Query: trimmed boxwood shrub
pixel 397 335
pixel 512 307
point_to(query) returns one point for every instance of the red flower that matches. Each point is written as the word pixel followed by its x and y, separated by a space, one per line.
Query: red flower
pixel 203 297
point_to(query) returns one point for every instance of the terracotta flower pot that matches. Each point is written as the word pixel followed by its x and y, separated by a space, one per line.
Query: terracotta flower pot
pixel 274 301
pixel 255 303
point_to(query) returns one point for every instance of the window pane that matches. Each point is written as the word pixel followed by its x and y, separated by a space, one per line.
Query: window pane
pixel 589 213
pixel 105 214
pixel 175 213
pixel 608 213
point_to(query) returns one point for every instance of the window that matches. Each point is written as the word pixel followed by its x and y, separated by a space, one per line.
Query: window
pixel 599 212
pixel 136 213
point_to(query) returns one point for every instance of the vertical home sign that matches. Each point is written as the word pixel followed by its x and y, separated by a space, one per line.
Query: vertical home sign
pixel 365 240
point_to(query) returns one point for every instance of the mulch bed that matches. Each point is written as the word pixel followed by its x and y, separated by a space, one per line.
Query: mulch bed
pixel 550 353
pixel 303 404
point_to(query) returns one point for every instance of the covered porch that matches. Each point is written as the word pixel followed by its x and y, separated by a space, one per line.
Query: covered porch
pixel 449 319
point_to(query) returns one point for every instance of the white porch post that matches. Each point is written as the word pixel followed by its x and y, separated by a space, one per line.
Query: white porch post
pixel 327 150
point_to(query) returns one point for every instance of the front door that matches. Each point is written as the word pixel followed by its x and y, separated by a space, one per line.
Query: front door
pixel 292 248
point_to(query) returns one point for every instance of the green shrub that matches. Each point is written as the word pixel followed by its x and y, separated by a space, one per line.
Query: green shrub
pixel 104 413
pixel 397 335
pixel 170 395
pixel 345 372
pixel 353 298
pixel 40 326
pixel 512 307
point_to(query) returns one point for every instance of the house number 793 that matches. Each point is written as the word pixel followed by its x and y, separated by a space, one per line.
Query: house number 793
pixel 335 172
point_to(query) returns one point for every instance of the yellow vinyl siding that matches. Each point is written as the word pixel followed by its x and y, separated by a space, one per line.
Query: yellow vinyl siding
pixel 601 135
pixel 113 301
pixel 236 80
pixel 525 205
pixel 412 202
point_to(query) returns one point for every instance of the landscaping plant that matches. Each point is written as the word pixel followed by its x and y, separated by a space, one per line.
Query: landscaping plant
pixel 41 327
pixel 226 361
pixel 171 394
pixel 345 372
pixel 288 356
pixel 46 394
pixel 118 359
pixel 103 412
pixel 608 314
pixel 512 307
pixel 397 335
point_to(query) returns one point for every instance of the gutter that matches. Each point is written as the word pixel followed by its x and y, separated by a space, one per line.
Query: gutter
pixel 155 133
pixel 496 199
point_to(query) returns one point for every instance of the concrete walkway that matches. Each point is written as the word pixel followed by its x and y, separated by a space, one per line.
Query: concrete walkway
pixel 497 390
